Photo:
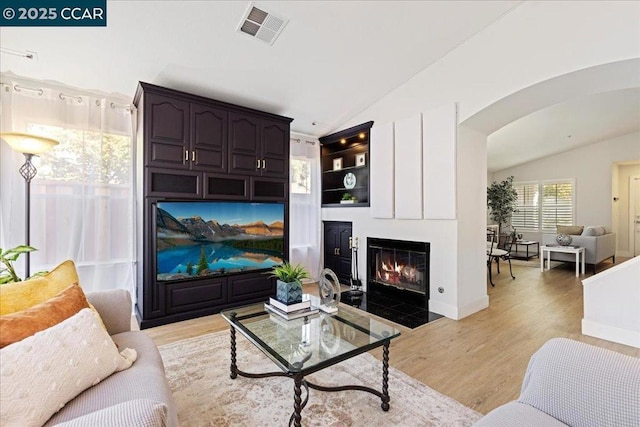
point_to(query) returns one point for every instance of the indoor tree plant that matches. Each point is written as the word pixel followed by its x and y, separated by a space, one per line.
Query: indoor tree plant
pixel 501 200
pixel 289 285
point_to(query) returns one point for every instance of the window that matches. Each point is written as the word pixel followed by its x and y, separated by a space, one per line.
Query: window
pixel 300 176
pixel 85 181
pixel 542 206
pixel 557 204
pixel 526 217
pixel 82 199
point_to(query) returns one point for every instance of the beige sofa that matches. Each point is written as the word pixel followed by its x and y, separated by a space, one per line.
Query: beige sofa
pixel 138 396
pixel 597 248
pixel 572 383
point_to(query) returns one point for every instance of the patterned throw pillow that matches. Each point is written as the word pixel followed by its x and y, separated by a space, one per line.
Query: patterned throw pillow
pixel 41 373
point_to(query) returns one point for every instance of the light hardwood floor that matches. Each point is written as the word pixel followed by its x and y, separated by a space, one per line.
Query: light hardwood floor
pixel 479 360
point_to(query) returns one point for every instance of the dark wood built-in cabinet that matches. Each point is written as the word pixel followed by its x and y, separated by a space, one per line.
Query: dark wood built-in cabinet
pixel 193 148
pixel 345 166
pixel 337 249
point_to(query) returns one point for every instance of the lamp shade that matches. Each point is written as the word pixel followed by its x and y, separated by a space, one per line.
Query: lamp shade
pixel 28 144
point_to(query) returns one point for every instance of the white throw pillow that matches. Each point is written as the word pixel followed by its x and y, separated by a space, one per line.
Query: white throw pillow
pixel 596 230
pixel 41 373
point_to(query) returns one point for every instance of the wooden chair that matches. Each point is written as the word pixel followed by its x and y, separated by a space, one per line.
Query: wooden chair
pixel 497 250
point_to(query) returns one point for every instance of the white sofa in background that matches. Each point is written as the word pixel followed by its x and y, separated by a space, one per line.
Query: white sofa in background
pixel 597 247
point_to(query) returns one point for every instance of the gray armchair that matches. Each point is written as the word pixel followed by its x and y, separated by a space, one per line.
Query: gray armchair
pixel 572 383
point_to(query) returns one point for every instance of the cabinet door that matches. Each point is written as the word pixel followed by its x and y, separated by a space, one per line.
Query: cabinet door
pixel 344 235
pixel 244 144
pixel 167 132
pixel 249 287
pixel 275 149
pixel 331 242
pixel 173 183
pixel 270 189
pixel 337 253
pixel 189 296
pixel 226 187
pixel 208 129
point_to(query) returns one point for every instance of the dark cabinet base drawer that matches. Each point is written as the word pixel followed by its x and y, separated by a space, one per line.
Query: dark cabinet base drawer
pixel 249 287
pixel 183 297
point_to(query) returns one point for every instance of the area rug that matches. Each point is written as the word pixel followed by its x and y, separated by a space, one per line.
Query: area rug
pixel 198 373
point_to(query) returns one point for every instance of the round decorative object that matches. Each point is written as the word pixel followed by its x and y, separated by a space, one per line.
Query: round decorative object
pixel 329 288
pixel 349 181
pixel 563 239
pixel 329 335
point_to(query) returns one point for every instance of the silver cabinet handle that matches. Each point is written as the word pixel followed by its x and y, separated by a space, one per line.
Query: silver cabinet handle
pixel 186 155
pixel 193 156
pixel 258 164
pixel 264 164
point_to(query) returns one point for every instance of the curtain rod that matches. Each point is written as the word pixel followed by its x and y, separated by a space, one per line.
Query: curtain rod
pixel 64 96
pixel 298 140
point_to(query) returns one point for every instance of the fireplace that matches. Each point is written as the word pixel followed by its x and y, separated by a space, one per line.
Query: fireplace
pixel 397 282
pixel 399 264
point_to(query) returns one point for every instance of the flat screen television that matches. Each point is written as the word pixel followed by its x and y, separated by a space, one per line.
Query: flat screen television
pixel 211 238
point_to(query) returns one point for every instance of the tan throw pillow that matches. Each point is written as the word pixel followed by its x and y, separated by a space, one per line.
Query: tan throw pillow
pixel 22 295
pixel 572 230
pixel 41 373
pixel 17 326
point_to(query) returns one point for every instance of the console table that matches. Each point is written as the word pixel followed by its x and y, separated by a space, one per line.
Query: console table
pixel 578 251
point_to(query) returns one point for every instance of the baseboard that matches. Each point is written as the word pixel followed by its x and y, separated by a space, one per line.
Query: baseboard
pixel 457 313
pixel 611 333
pixel 473 307
pixel 442 308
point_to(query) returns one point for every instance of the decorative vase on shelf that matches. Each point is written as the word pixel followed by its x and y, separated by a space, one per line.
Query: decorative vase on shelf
pixel 563 239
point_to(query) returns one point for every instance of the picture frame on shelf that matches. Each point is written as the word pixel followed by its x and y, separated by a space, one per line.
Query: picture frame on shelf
pixel 361 159
pixel 337 163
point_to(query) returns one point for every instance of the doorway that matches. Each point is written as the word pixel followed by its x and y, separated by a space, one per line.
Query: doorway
pixel 634 215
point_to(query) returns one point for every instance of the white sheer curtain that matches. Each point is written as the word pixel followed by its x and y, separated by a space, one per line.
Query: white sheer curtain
pixel 304 204
pixel 82 200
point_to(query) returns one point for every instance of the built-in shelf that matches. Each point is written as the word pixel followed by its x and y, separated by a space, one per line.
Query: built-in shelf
pixel 350 148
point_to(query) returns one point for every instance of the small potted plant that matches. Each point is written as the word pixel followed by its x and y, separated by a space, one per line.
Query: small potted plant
pixel 7 257
pixel 289 284
pixel 347 198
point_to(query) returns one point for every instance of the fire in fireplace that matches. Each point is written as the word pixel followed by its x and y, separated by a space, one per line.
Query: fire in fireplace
pixel 399 263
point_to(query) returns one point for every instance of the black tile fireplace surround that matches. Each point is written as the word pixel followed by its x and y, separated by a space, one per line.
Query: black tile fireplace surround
pixel 397 282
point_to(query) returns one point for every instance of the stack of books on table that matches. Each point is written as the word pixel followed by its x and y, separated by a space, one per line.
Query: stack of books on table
pixel 292 311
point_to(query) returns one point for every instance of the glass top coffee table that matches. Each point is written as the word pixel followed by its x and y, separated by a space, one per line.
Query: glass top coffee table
pixel 305 345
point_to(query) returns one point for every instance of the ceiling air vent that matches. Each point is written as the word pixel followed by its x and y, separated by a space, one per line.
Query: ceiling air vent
pixel 261 25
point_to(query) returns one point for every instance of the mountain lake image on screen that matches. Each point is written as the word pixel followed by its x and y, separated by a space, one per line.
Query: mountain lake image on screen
pixel 201 239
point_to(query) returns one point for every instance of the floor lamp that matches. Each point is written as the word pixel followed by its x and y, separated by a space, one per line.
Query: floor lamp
pixel 29 145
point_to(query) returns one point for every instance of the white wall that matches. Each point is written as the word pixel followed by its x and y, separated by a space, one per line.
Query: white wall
pixel 591 168
pixel 612 304
pixel 508 56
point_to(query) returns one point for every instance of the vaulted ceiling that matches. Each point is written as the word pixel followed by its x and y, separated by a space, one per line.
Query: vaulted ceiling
pixel 332 60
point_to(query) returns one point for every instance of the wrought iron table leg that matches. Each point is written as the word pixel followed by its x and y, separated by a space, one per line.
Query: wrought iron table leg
pixel 297 400
pixel 234 366
pixel 385 376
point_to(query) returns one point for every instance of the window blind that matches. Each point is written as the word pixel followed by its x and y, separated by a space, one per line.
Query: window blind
pixel 527 215
pixel 557 206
